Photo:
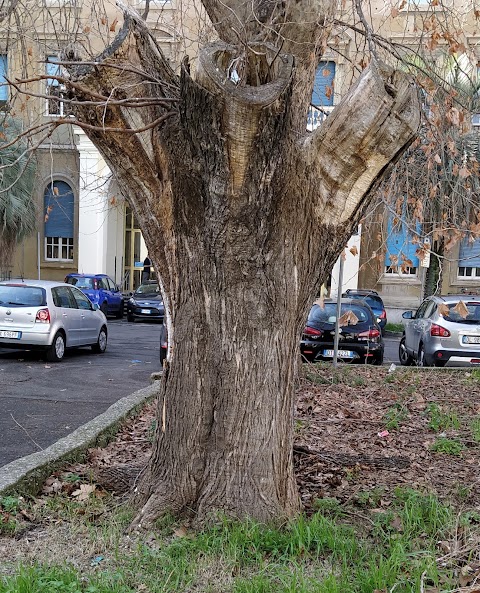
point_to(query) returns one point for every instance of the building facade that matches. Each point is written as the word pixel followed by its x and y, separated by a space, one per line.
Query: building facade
pixel 83 222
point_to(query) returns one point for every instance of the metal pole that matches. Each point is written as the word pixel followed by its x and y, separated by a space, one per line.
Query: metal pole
pixel 38 254
pixel 339 311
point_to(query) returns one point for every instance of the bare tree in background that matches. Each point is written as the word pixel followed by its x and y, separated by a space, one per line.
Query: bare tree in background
pixel 243 213
pixel 434 188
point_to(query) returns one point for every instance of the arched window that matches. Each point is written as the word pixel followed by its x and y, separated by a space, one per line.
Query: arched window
pixel 58 212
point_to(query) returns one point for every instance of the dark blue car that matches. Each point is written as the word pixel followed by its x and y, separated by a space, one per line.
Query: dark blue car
pixel 101 290
pixel 146 303
pixel 372 298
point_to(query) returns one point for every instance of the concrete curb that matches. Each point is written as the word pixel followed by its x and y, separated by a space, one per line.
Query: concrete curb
pixel 27 475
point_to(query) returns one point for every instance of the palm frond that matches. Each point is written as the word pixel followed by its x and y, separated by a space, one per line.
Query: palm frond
pixel 17 178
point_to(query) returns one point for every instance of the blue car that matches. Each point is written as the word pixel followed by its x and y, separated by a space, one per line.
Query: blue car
pixel 101 290
pixel 372 298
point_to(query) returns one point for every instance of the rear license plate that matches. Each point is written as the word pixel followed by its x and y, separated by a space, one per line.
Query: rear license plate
pixel 145 311
pixel 471 340
pixel 11 335
pixel 341 353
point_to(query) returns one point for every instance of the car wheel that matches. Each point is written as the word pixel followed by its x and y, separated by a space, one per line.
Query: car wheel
pixel 101 344
pixel 403 355
pixel 130 317
pixel 104 308
pixel 56 351
pixel 119 314
pixel 421 357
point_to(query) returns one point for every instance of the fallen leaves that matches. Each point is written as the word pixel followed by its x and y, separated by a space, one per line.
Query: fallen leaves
pixel 346 412
pixel 83 493
pixel 443 310
pixel 348 318
pixel 461 309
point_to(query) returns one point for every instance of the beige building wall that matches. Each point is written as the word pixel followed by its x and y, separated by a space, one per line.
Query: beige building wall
pixel 179 25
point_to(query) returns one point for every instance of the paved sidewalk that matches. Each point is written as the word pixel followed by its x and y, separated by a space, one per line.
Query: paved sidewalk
pixel 26 475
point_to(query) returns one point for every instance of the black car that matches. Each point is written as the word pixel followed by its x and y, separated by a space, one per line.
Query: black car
pixel 360 337
pixel 373 299
pixel 146 303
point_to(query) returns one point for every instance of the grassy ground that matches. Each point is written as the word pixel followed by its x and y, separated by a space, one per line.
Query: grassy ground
pixel 415 544
pixel 394 327
pixel 372 524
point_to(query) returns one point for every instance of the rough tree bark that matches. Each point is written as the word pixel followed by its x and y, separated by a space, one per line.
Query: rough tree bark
pixel 244 214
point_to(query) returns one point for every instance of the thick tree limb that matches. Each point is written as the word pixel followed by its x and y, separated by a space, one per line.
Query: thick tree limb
pixel 369 129
pixel 297 26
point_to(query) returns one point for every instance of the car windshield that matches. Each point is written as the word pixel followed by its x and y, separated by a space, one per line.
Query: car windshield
pixel 148 289
pixel 22 295
pixel 374 302
pixel 458 314
pixel 85 283
pixel 329 313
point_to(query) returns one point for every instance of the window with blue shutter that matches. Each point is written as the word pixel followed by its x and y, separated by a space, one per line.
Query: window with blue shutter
pixel 469 259
pixel 322 95
pixel 54 88
pixel 3 79
pixel 59 204
pixel 400 256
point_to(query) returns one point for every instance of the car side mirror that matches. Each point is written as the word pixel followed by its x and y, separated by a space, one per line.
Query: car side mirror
pixel 96 306
pixel 407 315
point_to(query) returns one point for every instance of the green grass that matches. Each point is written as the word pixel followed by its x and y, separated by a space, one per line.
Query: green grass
pixel 440 420
pixel 9 507
pixel 394 327
pixel 346 375
pixel 475 428
pixel 324 553
pixel 447 446
pixel 395 415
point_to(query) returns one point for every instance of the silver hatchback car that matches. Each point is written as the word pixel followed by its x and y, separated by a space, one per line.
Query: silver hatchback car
pixel 444 331
pixel 49 316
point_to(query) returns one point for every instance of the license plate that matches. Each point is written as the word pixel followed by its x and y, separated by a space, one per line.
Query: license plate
pixel 145 311
pixel 341 353
pixel 471 340
pixel 9 334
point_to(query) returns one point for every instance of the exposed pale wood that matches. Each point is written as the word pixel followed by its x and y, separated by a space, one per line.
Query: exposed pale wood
pixel 368 130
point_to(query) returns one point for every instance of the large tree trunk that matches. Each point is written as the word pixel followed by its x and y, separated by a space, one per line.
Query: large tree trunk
pixel 244 216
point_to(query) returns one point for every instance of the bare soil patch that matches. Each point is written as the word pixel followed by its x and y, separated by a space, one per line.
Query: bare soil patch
pixel 358 430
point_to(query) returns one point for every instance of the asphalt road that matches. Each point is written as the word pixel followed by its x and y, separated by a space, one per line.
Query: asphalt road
pixel 391 350
pixel 43 402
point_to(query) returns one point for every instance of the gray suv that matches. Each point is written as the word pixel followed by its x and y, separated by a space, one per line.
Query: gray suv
pixel 445 330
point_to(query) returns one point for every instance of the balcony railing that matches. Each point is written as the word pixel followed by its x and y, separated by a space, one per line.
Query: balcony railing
pixel 317 115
